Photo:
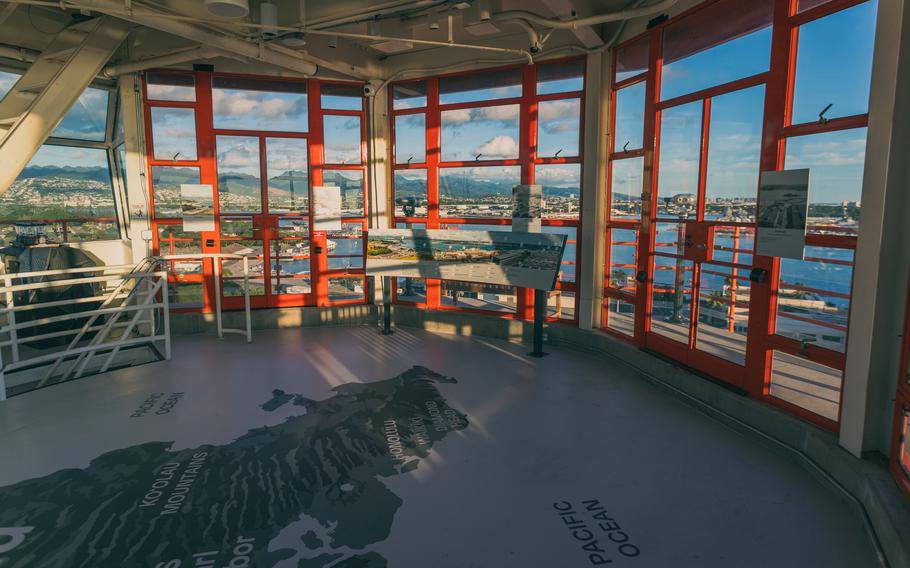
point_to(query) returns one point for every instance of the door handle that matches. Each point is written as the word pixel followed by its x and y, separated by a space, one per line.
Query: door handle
pixel 317 250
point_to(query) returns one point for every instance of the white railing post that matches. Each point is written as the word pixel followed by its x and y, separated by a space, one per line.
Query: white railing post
pixel 11 317
pixel 246 298
pixel 166 315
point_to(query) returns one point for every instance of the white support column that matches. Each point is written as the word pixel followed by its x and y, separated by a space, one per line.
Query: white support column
pixel 380 156
pixel 137 186
pixel 590 269
pixel 883 248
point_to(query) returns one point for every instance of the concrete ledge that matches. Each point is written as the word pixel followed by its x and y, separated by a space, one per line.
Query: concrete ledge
pixel 277 318
pixel 864 484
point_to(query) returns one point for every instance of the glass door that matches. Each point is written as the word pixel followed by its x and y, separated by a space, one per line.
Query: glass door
pixel 703 230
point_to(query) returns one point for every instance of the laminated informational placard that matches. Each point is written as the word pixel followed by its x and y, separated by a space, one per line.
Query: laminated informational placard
pixel 527 260
pixel 526 208
pixel 326 208
pixel 197 204
pixel 783 206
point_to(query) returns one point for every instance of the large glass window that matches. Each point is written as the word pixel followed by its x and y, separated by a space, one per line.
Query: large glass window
pixel 351 184
pixel 239 178
pixel 630 118
pixel 625 189
pixel 242 103
pixel 87 118
pixel 835 161
pixel 734 148
pixel 341 96
pixel 559 127
pixel 170 86
pixel 69 189
pixel 833 75
pixel 477 191
pixel 485 133
pixel 410 193
pixel 342 139
pixel 166 181
pixel 680 151
pixel 174 133
pixel 287 174
pixel 409 95
pixel 562 77
pixel 504 84
pixel 725 41
pixel 410 138
pixel 561 190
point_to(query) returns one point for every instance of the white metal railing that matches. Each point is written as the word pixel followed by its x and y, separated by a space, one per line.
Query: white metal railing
pixel 122 312
pixel 126 307
pixel 216 261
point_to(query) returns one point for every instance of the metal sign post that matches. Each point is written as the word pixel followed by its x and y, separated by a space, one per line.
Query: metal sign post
pixel 387 305
pixel 540 311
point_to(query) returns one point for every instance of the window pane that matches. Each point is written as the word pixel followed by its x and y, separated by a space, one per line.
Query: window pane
pixel 559 127
pixel 671 297
pixel 338 96
pixel 64 184
pixel 346 289
pixel 805 383
pixel 477 192
pixel 669 238
pixel 345 247
pixel 411 193
pixel 733 244
pixel 561 305
pixel 409 95
pixel 287 174
pixel 351 184
pixel 560 77
pixel 170 87
pixel 342 139
pixel 561 190
pixel 569 256
pixel 831 71
pixel 621 316
pixel 166 182
pixel 623 259
pixel 487 133
pixel 502 84
pixel 239 184
pixel 632 59
pixel 724 41
pixel 625 188
pixel 7 80
pixel 410 138
pixel 680 148
pixel 734 149
pixel 174 133
pixel 813 298
pixel 259 104
pixel 86 119
pixel 630 118
pixel 173 240
pixel 723 312
pixel 835 161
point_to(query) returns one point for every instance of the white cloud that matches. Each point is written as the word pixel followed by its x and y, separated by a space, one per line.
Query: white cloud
pixel 552 110
pixel 557 175
pixel 498 147
pixel 505 113
pixel 560 126
pixel 232 104
pixel 455 117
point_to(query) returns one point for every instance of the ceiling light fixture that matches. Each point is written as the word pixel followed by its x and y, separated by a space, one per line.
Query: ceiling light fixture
pixel 228 8
pixel 268 16
pixel 433 20
pixel 294 39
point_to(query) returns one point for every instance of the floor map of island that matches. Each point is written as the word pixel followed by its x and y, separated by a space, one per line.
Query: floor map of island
pixel 306 492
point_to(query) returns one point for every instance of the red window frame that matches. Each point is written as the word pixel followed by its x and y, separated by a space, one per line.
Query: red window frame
pixel 527 162
pixel 206 163
pixel 779 86
pixel 899 442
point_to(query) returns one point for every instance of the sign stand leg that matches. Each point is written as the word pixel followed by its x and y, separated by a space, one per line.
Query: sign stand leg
pixel 386 305
pixel 540 310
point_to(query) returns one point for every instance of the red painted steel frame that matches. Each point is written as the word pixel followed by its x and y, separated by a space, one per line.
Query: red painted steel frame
pixel 777 127
pixel 526 161
pixel 265 223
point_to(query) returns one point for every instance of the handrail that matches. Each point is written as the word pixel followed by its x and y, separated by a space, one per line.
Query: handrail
pixel 248 332
pixel 140 291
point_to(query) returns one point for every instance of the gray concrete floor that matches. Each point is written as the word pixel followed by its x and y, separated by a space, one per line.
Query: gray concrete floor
pixel 564 461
